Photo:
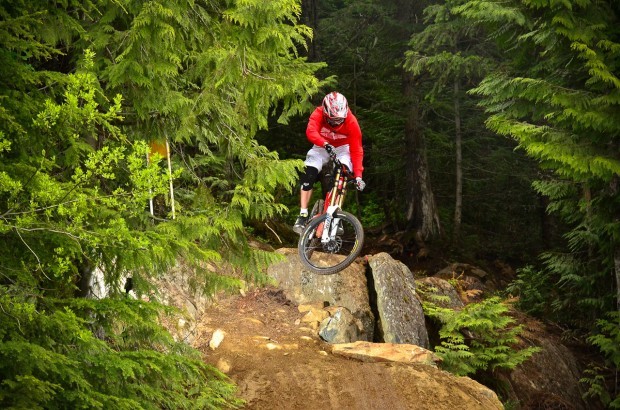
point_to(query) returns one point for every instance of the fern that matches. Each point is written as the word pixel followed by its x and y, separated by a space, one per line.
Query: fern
pixel 607 339
pixel 480 337
pixel 535 289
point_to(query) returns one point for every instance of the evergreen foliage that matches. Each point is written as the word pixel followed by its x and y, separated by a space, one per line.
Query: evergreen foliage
pixel 557 97
pixel 52 358
pixel 556 94
pixel 449 57
pixel 601 380
pixel 220 72
pixel 85 87
pixel 479 338
pixel 66 209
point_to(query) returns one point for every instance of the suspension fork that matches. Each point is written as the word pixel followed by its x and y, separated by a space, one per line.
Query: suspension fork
pixel 336 199
pixel 332 199
pixel 332 196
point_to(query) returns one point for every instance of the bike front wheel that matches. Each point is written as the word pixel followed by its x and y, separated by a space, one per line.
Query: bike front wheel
pixel 339 252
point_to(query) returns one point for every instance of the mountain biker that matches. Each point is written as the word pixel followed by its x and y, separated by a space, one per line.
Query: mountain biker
pixel 333 129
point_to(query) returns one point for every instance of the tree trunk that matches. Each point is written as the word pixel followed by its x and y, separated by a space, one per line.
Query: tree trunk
pixel 309 18
pixel 421 214
pixel 614 186
pixel 617 270
pixel 458 204
pixel 546 225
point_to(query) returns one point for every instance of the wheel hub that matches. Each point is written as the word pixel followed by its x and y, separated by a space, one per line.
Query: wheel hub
pixel 333 245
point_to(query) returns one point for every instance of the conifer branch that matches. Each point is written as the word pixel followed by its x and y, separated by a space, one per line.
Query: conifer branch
pixel 40 266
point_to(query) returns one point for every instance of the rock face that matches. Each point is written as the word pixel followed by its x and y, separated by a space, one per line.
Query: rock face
pixel 550 378
pixel 440 292
pixel 182 288
pixel 279 365
pixel 400 312
pixel 341 327
pixel 348 288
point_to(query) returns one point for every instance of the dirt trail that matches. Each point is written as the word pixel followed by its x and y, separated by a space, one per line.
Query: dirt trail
pixel 280 364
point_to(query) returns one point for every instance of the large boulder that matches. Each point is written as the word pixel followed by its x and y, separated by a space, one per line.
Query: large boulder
pixel 550 378
pixel 401 318
pixel 341 327
pixel 440 292
pixel 347 288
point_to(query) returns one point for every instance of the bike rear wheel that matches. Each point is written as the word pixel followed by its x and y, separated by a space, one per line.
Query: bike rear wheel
pixel 317 208
pixel 338 253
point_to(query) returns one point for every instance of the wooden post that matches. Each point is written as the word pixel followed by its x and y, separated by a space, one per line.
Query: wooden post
pixel 170 176
pixel 148 159
pixel 163 150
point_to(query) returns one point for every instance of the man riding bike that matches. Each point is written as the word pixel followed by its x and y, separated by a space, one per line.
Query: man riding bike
pixel 334 130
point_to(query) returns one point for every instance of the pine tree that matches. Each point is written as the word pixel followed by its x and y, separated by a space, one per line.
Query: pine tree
pixel 85 86
pixel 451 52
pixel 448 58
pixel 218 75
pixel 557 96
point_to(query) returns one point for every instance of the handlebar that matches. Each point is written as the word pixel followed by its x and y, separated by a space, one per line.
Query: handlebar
pixel 337 164
pixel 331 151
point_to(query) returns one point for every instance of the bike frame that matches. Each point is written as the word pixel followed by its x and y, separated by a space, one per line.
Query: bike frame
pixel 333 232
pixel 333 201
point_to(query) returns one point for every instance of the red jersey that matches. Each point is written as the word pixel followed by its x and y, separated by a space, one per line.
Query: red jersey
pixel 319 132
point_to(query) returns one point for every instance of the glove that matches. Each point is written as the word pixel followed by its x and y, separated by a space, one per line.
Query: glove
pixel 330 149
pixel 360 184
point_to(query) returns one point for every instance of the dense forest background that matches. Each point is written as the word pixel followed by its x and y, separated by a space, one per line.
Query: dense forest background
pixel 491 132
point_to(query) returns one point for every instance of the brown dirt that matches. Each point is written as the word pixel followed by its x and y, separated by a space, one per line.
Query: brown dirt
pixel 278 363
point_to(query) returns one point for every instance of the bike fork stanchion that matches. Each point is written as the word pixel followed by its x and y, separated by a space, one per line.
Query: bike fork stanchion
pixel 329 219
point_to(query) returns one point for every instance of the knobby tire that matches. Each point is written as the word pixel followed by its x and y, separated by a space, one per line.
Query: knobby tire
pixel 352 240
pixel 317 209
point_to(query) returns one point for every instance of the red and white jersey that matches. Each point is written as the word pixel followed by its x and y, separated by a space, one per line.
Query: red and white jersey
pixel 319 132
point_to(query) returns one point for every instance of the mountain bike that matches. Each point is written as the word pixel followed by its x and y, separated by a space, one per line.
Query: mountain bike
pixel 332 238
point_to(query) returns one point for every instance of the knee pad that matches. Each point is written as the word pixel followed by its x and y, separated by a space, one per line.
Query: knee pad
pixel 309 178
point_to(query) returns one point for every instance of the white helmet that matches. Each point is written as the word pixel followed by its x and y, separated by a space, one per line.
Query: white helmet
pixel 335 108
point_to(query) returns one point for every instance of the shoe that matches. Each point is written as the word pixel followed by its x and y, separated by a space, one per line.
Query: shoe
pixel 300 224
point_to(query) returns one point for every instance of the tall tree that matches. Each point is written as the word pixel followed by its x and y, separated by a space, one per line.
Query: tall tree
pixel 421 212
pixel 84 86
pixel 557 96
pixel 448 56
pixel 453 52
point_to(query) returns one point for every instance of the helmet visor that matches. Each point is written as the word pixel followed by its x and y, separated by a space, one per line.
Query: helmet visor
pixel 335 121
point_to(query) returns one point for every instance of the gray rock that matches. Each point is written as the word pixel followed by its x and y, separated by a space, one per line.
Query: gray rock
pixel 347 288
pixel 550 376
pixel 400 312
pixel 440 292
pixel 341 327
